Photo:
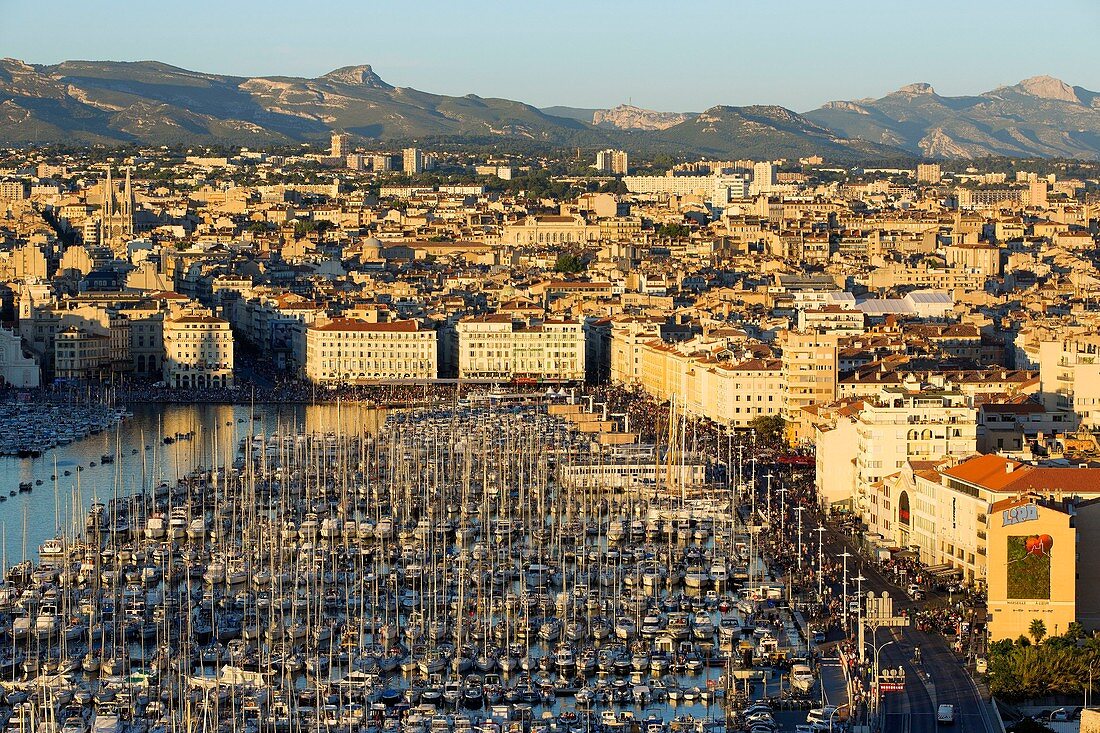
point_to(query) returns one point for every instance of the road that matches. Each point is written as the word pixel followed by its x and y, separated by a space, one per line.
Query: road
pixel 937 679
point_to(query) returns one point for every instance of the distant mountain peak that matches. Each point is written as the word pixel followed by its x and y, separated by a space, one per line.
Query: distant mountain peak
pixel 361 75
pixel 1047 87
pixel 919 87
pixel 629 117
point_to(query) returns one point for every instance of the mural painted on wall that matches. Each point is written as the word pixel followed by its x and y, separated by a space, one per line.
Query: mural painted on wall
pixel 1029 558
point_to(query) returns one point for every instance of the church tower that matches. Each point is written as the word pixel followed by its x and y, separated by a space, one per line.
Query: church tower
pixel 117 212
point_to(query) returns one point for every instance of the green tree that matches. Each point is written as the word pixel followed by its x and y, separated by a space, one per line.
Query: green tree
pixel 1037 630
pixel 674 231
pixel 569 263
pixel 769 428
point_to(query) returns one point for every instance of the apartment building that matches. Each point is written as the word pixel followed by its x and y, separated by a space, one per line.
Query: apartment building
pixel 347 351
pixel 972 519
pixel 498 347
pixel 81 354
pixel 1069 378
pixel 832 318
pixel 198 350
pixel 628 334
pixel 929 173
pixel 898 427
pixel 809 372
pixel 615 162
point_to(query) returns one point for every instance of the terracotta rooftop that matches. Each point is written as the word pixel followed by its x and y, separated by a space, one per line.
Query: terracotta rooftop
pixel 992 472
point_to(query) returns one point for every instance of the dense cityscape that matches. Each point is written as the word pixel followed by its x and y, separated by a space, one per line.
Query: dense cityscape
pixel 436 432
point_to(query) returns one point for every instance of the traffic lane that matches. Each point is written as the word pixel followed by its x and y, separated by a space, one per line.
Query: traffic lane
pixel 936 680
pixel 952 683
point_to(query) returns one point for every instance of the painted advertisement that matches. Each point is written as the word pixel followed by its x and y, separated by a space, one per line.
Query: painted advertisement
pixel 1029 558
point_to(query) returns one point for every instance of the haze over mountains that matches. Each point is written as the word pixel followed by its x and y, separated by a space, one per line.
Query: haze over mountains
pixel 84 102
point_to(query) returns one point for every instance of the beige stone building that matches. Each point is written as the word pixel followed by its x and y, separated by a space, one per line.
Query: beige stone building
pixel 81 354
pixel 809 377
pixel 497 347
pixel 1069 377
pixel 551 229
pixel 198 350
pixel 346 351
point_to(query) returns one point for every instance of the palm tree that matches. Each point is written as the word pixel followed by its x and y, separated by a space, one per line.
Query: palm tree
pixel 1037 630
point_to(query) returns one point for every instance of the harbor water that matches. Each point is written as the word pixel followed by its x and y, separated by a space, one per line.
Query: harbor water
pixel 142 457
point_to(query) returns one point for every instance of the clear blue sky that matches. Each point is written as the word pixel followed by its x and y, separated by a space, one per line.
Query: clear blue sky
pixel 663 55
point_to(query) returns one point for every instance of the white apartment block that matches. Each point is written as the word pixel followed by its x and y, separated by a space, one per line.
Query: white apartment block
pixel 899 426
pixel 497 347
pixel 346 351
pixel 615 162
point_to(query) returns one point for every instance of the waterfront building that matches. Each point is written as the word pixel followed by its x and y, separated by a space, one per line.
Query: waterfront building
pixel 349 351
pixel 499 347
pixel 198 350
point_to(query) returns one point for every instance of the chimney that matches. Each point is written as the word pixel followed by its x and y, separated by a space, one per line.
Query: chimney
pixel 1009 466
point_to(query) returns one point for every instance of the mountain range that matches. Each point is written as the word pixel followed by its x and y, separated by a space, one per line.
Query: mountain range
pixel 148 102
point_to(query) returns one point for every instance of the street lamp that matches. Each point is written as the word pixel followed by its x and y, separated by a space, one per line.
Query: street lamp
pixel 844 593
pixel 1088 692
pixel 859 613
pixel 835 711
pixel 877 697
pixel 768 476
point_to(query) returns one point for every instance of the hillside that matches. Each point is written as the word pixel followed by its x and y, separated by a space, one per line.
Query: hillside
pixel 87 102
pixel 1039 117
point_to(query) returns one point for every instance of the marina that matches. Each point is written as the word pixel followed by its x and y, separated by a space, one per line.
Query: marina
pixel 458 567
pixel 33 427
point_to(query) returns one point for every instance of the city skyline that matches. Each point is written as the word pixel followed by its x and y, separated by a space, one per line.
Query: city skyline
pixel 816 60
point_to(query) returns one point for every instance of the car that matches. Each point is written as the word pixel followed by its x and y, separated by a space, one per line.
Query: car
pixel 854 606
pixel 819 636
pixel 981 665
pixel 945 715
pixel 1061 715
pixel 821 715
pixel 760 719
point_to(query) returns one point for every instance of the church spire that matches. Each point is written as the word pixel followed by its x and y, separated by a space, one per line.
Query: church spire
pixel 128 206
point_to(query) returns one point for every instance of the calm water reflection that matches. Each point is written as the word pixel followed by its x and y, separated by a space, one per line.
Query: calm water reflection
pixel 27 519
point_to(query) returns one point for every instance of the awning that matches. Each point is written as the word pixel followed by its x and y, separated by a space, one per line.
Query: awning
pixel 948 573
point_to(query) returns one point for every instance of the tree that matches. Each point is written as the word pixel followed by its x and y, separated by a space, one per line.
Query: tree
pixel 1076 631
pixel 569 263
pixel 769 428
pixel 1037 630
pixel 673 231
